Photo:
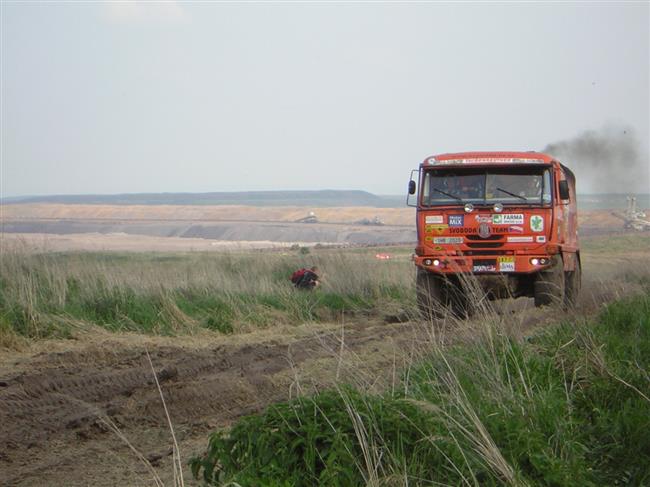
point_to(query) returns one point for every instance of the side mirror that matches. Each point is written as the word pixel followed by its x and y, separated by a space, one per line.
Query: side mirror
pixel 564 190
pixel 411 187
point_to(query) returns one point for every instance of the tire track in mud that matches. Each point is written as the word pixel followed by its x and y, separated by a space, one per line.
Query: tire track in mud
pixel 63 396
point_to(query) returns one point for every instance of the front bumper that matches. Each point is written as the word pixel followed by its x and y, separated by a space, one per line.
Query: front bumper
pixel 484 264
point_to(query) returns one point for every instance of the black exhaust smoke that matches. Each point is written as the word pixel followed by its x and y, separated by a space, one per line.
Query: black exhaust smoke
pixel 608 160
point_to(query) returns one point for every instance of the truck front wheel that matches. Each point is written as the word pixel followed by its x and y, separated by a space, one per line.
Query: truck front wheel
pixel 429 288
pixel 463 294
pixel 439 296
pixel 549 287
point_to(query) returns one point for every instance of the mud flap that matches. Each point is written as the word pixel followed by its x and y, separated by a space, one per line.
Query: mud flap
pixel 572 284
pixel 549 286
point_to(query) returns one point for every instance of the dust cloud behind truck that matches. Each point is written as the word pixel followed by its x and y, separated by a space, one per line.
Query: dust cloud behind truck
pixel 494 225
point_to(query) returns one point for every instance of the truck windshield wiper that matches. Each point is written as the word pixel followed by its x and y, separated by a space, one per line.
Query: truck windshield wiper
pixel 513 194
pixel 447 194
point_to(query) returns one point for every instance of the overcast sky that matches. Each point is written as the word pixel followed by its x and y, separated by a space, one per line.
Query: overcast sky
pixel 192 97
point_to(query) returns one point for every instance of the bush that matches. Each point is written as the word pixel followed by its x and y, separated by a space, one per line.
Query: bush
pixel 314 441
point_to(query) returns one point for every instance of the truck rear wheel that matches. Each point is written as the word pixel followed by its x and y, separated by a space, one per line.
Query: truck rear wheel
pixel 549 287
pixel 429 288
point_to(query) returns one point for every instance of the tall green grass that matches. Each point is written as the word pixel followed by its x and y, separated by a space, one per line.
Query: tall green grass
pixel 569 406
pixel 43 295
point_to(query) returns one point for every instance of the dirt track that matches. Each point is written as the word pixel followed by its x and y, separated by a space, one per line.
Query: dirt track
pixel 56 401
pixel 54 405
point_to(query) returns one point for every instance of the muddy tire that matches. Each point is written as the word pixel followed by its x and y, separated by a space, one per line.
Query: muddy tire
pixel 549 287
pixel 429 288
pixel 461 300
pixel 572 283
pixel 439 296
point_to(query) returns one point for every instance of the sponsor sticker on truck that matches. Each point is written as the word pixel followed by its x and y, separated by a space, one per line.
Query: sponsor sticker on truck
pixel 506 264
pixel 508 219
pixel 448 240
pixel 433 219
pixel 485 265
pixel 519 239
pixel 439 229
pixel 485 160
pixel 537 223
pixel 483 268
pixel 456 220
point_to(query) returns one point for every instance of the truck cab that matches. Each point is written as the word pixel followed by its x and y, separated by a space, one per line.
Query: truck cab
pixel 494 225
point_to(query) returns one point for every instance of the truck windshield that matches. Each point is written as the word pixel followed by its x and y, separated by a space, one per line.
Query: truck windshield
pixel 507 185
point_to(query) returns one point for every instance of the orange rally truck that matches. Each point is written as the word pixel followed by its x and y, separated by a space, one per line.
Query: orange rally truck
pixel 509 219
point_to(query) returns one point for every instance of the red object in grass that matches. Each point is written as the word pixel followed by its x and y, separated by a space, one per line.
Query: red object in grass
pixel 382 256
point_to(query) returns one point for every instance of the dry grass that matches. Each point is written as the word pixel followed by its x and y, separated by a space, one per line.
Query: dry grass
pixel 49 294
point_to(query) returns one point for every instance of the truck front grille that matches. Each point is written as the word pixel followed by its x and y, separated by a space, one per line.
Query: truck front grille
pixel 486 245
pixel 491 242
pixel 491 237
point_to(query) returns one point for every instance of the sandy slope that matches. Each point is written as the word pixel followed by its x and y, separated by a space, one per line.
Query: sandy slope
pixel 59 227
pixel 391 216
pixel 122 242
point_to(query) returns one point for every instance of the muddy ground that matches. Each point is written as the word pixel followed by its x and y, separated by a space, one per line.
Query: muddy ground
pixel 56 407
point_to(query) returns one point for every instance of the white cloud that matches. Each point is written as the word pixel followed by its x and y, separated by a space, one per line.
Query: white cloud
pixel 144 11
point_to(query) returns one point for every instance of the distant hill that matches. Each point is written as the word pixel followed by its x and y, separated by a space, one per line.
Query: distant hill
pixel 321 198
